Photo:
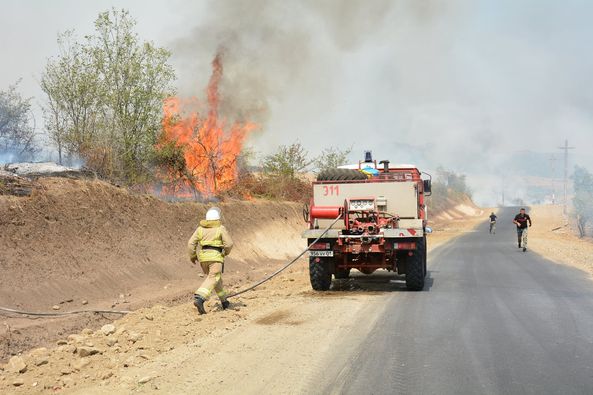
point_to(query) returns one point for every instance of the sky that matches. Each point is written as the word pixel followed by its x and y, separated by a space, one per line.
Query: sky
pixel 464 84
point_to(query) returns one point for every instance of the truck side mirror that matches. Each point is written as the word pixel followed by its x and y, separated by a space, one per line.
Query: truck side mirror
pixel 427 187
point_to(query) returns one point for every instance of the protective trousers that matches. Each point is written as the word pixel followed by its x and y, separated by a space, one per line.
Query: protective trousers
pixel 213 281
pixel 522 237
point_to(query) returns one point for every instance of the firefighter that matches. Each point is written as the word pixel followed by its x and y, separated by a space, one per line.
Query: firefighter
pixel 215 243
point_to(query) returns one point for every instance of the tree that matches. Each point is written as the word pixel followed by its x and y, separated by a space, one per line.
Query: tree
pixel 74 106
pixel 105 97
pixel 332 158
pixel 17 134
pixel 287 162
pixel 583 198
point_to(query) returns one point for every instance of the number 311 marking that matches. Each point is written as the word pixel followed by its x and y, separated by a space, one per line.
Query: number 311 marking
pixel 331 190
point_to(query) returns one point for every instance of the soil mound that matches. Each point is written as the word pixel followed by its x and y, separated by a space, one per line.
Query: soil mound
pixel 73 241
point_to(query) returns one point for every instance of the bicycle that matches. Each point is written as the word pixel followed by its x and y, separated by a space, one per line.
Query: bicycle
pixel 492 229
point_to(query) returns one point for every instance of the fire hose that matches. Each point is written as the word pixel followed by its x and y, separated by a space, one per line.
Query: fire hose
pixel 271 276
pixel 266 279
pixel 62 313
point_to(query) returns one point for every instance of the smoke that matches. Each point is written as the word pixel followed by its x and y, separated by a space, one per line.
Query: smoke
pixel 8 157
pixel 467 85
pixel 273 51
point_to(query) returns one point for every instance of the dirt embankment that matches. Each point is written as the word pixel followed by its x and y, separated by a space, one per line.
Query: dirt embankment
pixel 552 236
pixel 73 242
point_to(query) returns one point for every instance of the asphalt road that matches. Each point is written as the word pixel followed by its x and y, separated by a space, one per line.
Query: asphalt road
pixel 491 320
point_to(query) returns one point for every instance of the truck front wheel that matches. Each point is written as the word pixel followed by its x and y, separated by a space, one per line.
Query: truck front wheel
pixel 319 274
pixel 416 268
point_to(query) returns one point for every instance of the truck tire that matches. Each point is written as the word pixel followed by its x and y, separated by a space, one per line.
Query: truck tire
pixel 341 175
pixel 425 255
pixel 319 274
pixel 342 273
pixel 416 268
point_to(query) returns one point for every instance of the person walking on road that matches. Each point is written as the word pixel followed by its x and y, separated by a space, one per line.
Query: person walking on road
pixel 523 222
pixel 215 243
pixel 493 223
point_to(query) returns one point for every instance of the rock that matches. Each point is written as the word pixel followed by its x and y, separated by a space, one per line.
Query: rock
pixel 108 329
pixel 121 296
pixel 106 375
pixel 42 360
pixel 61 342
pixel 18 382
pixel 89 344
pixel 70 348
pixel 134 337
pixel 87 331
pixel 149 317
pixel 65 371
pixel 111 341
pixel 85 351
pixel 35 384
pixel 55 307
pixel 84 302
pixel 80 364
pixel 76 338
pixel 40 356
pixel 16 364
pixel 144 380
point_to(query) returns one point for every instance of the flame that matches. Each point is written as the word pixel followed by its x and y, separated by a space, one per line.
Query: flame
pixel 210 148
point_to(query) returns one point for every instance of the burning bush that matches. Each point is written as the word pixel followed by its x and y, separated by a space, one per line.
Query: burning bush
pixel 199 152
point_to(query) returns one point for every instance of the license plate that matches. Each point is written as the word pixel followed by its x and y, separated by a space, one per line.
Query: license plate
pixel 321 253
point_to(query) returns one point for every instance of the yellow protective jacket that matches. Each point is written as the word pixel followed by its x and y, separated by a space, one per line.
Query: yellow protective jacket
pixel 210 234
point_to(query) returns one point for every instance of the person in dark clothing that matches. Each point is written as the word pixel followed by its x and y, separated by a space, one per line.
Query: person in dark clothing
pixel 493 223
pixel 523 222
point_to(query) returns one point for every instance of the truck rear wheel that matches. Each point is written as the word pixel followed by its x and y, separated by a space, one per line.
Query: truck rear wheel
pixel 416 268
pixel 341 175
pixel 342 273
pixel 425 255
pixel 319 274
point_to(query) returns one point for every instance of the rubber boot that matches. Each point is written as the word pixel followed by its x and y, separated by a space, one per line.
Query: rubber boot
pixel 225 305
pixel 199 303
pixel 524 249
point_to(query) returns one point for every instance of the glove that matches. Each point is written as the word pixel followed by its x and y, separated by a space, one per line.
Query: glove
pixel 193 259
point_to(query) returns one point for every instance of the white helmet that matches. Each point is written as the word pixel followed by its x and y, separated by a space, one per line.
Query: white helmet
pixel 213 214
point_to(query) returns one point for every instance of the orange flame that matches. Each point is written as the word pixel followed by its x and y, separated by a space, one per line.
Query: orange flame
pixel 209 148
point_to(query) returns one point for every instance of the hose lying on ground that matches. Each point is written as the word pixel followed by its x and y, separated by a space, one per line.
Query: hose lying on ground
pixel 271 276
pixel 62 313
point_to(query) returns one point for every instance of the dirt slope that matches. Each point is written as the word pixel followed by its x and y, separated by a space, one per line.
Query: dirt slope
pixel 552 236
pixel 75 241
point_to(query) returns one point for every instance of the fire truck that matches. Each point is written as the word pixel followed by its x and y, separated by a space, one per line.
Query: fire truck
pixel 368 216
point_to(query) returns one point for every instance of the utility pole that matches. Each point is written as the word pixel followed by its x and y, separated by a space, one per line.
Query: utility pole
pixel 553 172
pixel 566 148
